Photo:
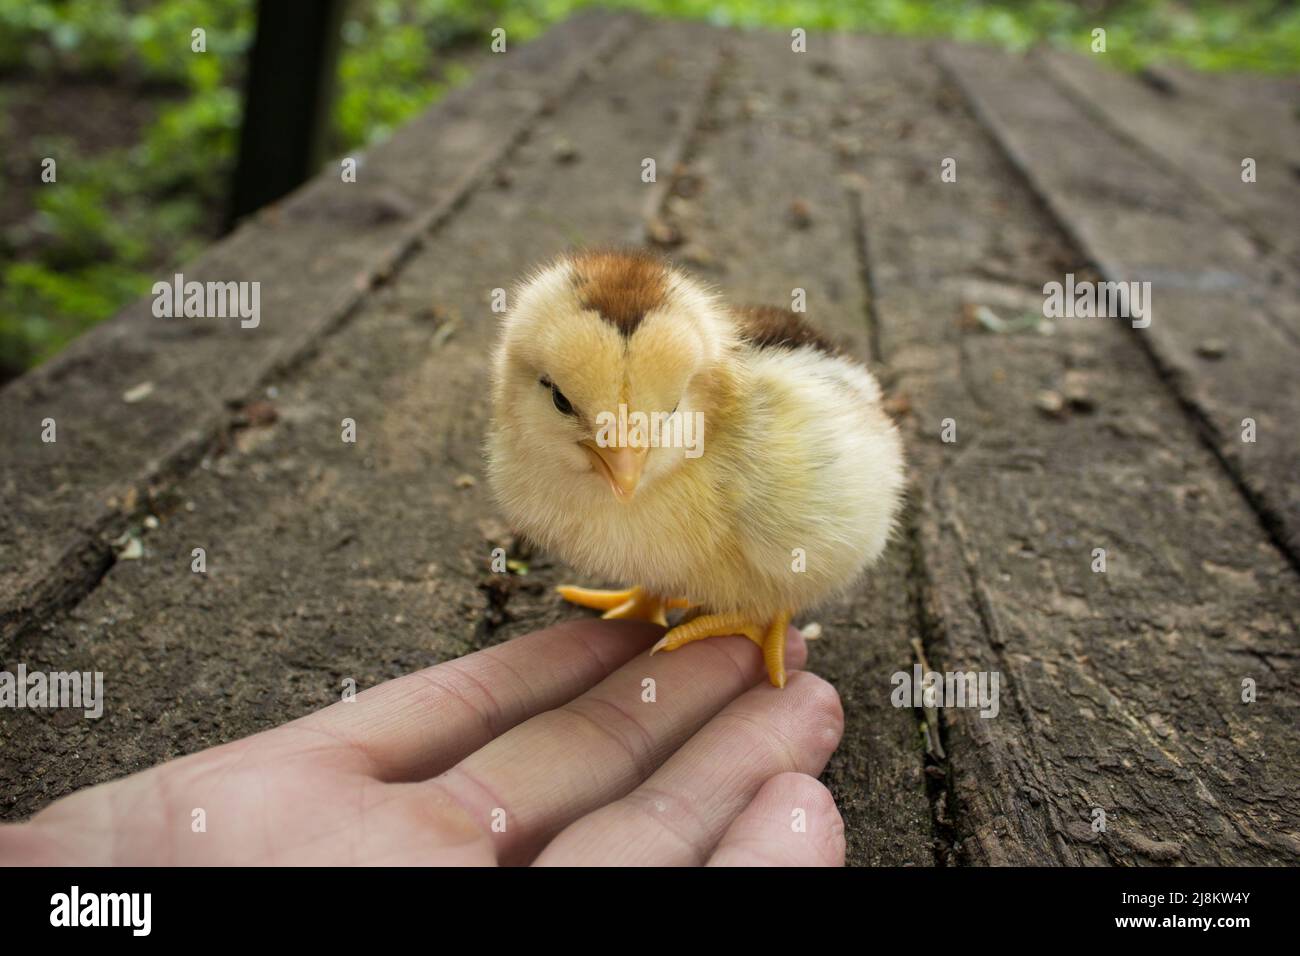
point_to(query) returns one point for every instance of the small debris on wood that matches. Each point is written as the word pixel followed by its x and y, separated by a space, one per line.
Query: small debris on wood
pixel 1212 349
pixel 1076 387
pixel 897 406
pixel 981 316
pixel 465 481
pixel 387 205
pixel 848 146
pixel 800 214
pixel 754 106
pixel 563 151
pixel 138 394
pixel 678 210
pixel 663 233
pixel 933 745
pixel 1050 403
pixel 515 566
pixel 257 415
pixel 854 182
pixel 444 332
pixel 497 589
pixel 1159 80
pixel 129 547
pixel 978 316
pixel 686 184
pixel 434 314
pixel 811 631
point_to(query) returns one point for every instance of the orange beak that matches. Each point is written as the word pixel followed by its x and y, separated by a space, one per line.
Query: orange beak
pixel 621 467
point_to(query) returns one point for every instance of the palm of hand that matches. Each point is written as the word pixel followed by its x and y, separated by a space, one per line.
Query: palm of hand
pixel 544 749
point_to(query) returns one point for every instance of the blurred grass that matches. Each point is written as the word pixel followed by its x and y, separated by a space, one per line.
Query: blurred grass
pixel 119 217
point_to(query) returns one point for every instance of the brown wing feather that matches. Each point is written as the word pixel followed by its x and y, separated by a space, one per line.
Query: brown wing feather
pixel 766 326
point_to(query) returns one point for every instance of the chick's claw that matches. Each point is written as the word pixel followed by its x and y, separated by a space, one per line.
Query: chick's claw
pixel 771 640
pixel 632 604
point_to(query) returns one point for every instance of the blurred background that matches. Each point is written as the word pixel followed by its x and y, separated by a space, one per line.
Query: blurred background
pixel 147 133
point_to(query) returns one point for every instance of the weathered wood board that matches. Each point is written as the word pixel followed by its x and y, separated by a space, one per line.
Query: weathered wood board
pixel 765 218
pixel 316 255
pixel 1219 327
pixel 1120 690
pixel 1202 129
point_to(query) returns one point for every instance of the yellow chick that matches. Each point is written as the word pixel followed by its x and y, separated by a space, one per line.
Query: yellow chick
pixel 727 460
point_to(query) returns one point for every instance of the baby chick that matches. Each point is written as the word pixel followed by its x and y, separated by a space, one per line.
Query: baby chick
pixel 760 477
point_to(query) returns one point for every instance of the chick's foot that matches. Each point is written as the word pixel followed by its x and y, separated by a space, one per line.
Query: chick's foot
pixel 633 604
pixel 770 639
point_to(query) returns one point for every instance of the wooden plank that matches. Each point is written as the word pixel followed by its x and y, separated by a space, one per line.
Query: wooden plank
pixel 1210 289
pixel 315 255
pixel 1119 690
pixel 1200 127
pixel 328 560
pixel 765 215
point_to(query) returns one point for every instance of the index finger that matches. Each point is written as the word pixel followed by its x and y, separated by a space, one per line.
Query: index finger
pixel 417 726
pixel 530 783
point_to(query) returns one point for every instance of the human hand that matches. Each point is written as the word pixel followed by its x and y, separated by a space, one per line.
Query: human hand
pixel 542 749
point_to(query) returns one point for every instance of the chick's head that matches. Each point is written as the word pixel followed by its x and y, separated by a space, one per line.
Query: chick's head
pixel 592 340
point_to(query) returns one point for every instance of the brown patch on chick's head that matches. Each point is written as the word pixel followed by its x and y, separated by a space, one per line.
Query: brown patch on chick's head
pixel 585 335
pixel 621 286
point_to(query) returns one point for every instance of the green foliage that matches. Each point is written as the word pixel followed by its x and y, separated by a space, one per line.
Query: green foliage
pixel 147 41
pixel 116 218
pixel 383 79
pixel 190 145
pixel 43 308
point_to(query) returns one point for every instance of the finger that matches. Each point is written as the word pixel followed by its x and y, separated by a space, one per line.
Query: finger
pixel 792 821
pixel 528 784
pixel 417 726
pixel 678 815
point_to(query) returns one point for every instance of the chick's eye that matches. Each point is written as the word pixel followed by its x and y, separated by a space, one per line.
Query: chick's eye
pixel 560 401
pixel 562 404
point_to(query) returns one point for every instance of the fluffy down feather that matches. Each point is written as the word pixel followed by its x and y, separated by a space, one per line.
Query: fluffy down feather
pixel 797 452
